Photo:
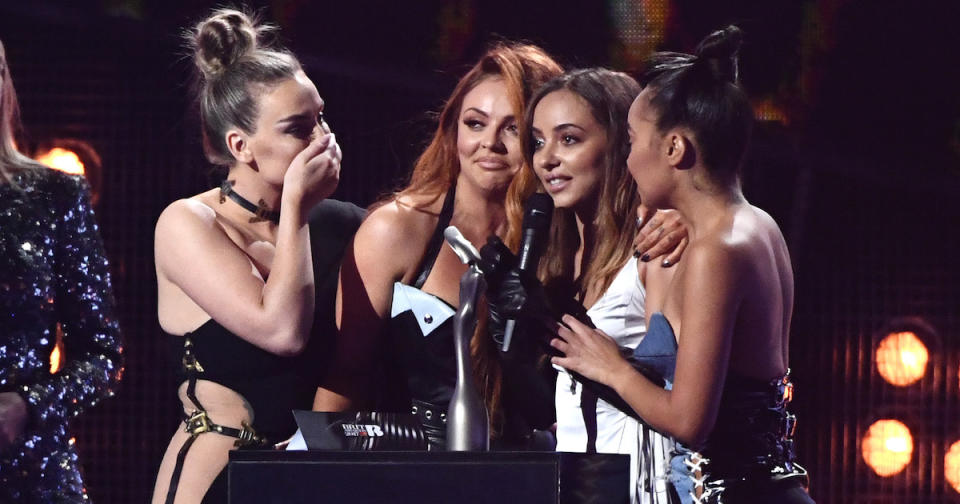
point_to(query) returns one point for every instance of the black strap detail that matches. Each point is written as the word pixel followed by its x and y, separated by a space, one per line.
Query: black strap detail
pixel 178 469
pixel 588 408
pixel 436 241
pixel 433 422
pixel 198 422
pixel 260 211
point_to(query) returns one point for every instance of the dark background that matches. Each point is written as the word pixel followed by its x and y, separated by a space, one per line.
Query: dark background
pixel 859 161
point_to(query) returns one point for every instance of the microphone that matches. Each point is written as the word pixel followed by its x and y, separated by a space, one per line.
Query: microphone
pixel 538 210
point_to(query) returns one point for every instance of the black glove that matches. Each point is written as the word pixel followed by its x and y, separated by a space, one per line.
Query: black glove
pixel 519 295
pixel 511 293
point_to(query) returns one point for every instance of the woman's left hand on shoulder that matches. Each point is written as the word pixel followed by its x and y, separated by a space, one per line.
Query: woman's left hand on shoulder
pixel 662 232
pixel 587 351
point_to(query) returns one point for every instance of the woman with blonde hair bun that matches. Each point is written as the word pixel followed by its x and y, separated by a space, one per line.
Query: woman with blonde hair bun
pixel 235 279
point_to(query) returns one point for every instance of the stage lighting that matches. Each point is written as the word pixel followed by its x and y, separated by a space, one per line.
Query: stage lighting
pixel 640 25
pixel 56 355
pixel 887 447
pixel 769 110
pixel 75 157
pixel 951 466
pixel 62 159
pixel 902 358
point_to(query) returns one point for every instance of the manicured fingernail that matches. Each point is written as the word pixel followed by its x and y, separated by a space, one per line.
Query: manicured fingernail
pixel 639 221
pixel 636 253
pixel 645 258
pixel 666 263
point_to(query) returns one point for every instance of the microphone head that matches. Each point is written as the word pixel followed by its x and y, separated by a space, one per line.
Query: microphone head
pixel 537 212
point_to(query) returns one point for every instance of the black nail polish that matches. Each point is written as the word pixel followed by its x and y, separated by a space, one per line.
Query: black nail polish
pixel 645 258
pixel 636 253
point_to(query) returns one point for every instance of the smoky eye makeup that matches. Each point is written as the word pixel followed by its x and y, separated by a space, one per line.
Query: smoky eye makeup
pixel 473 122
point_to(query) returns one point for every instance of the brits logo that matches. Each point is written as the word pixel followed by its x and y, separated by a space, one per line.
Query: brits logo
pixel 360 430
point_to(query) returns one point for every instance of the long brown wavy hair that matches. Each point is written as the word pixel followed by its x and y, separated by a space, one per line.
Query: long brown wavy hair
pixel 609 95
pixel 11 161
pixel 524 68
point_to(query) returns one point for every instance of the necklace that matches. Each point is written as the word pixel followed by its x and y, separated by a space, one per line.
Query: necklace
pixel 261 212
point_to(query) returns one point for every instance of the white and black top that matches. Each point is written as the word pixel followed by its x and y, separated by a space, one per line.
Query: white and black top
pixel 588 424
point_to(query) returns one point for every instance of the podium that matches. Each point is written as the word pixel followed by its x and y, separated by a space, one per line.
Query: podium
pixel 358 477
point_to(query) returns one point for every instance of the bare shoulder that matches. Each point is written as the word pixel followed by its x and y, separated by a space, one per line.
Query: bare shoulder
pixel 184 216
pixel 395 222
pixel 184 222
pixel 184 211
pixel 723 244
pixel 395 234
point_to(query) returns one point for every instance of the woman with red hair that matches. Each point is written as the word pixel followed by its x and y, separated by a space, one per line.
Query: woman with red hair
pixel 399 286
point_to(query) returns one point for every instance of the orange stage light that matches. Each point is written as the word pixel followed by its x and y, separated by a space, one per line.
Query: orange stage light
pixel 887 447
pixel 902 358
pixel 951 466
pixel 62 159
pixel 56 355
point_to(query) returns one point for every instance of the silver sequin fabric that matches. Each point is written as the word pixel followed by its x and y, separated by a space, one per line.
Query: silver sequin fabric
pixel 52 270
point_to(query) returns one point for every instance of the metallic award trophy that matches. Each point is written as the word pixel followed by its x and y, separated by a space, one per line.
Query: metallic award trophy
pixel 468 424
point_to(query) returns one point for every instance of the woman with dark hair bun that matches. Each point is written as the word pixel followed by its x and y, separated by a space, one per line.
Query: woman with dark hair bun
pixel 235 279
pixel 729 304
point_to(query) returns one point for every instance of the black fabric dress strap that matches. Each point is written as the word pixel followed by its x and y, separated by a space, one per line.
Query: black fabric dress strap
pixel 198 422
pixel 588 407
pixel 436 241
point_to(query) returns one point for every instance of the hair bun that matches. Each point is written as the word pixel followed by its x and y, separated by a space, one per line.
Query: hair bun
pixel 222 39
pixel 719 52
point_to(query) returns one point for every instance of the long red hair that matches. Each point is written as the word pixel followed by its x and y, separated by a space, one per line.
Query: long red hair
pixel 524 68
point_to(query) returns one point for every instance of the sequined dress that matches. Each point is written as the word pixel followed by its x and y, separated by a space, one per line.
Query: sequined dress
pixel 52 270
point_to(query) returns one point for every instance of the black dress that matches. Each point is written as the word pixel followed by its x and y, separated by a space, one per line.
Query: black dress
pixel 272 385
pixel 52 270
pixel 420 371
pixel 749 455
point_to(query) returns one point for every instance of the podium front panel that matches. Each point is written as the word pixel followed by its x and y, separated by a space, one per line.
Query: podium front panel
pixel 267 477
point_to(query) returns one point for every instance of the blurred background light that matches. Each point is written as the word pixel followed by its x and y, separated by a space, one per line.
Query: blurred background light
pixel 951 466
pixel 62 159
pixel 887 447
pixel 75 157
pixel 902 358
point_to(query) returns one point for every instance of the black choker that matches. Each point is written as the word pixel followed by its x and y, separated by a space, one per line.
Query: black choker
pixel 260 211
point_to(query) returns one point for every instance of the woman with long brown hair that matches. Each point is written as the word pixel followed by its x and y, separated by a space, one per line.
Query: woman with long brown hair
pixel 577 154
pixel 399 284
pixel 730 302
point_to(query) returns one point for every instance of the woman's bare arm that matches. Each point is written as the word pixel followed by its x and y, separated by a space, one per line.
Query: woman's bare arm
pixel 688 411
pixel 384 250
pixel 194 253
